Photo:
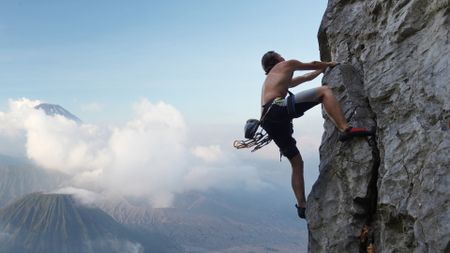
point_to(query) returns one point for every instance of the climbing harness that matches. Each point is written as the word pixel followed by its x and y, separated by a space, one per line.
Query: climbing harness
pixel 258 139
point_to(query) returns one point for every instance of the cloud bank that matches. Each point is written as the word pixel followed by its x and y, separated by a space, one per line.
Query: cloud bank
pixel 148 156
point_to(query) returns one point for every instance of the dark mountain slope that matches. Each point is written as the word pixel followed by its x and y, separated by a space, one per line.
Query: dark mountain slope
pixel 55 223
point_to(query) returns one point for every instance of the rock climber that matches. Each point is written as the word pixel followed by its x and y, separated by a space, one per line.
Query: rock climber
pixel 278 110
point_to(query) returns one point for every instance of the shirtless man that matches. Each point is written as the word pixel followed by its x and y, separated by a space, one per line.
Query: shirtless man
pixel 278 114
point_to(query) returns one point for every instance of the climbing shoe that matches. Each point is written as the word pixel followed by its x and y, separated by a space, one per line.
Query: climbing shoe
pixel 351 132
pixel 301 211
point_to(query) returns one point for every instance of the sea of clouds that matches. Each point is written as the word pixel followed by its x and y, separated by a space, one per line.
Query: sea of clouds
pixel 148 156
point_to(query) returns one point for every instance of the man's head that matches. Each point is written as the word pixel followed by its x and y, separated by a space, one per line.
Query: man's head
pixel 269 60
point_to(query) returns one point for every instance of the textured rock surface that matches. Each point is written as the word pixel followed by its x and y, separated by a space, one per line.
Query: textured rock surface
pixel 339 203
pixel 400 50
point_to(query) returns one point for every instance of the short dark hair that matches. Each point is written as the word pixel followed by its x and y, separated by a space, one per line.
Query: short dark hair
pixel 269 60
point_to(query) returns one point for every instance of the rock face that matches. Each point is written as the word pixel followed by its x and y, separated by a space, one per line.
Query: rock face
pixel 339 204
pixel 397 78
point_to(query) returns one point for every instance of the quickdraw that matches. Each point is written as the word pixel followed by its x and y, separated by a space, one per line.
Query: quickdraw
pixel 259 140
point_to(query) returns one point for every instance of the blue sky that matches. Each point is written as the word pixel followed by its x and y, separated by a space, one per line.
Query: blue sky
pixel 98 58
pixel 203 57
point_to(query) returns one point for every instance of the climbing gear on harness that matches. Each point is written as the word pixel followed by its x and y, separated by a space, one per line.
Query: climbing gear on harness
pixel 253 137
pixel 259 140
pixel 251 126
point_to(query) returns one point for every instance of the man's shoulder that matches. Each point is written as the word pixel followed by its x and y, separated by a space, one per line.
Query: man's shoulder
pixel 289 65
pixel 292 63
pixel 285 66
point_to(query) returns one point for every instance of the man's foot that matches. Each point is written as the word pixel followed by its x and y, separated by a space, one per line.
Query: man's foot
pixel 351 132
pixel 301 211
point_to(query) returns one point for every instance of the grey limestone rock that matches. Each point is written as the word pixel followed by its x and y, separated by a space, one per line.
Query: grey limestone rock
pixel 340 201
pixel 397 78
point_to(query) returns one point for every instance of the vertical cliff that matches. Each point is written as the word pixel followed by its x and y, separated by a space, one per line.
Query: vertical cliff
pixel 392 191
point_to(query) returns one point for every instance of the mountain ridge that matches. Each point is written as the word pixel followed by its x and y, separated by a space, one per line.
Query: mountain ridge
pixel 56 223
pixel 53 109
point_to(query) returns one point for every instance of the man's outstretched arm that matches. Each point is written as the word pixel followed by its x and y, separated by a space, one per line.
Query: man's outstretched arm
pixel 315 65
pixel 306 77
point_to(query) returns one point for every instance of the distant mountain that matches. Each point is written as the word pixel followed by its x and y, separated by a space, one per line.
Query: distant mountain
pixel 19 177
pixel 199 222
pixel 56 223
pixel 218 222
pixel 9 160
pixel 51 109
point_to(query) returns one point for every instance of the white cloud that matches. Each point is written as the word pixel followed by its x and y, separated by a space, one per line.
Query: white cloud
pixel 221 170
pixel 225 177
pixel 148 156
pixel 12 131
pixel 84 196
pixel 209 154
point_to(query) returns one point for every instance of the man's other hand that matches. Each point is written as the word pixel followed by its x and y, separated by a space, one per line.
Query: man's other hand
pixel 332 64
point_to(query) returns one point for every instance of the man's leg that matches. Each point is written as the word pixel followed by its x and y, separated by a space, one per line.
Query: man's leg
pixel 332 108
pixel 307 99
pixel 334 111
pixel 298 183
pixel 281 132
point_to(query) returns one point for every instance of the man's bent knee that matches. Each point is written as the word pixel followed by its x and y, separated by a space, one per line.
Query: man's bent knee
pixel 324 91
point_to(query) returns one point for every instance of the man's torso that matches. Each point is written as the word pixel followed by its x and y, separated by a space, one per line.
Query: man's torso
pixel 277 83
